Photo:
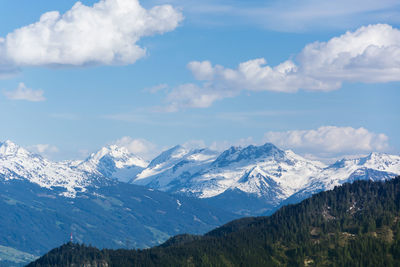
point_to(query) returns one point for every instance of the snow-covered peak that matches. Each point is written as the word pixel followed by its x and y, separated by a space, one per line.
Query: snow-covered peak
pixel 113 162
pixel 382 161
pixel 173 154
pixel 292 155
pixel 249 153
pixel 376 161
pixel 18 163
pixel 203 154
pixel 379 161
pixel 252 169
pixel 8 148
pixel 262 170
pixel 120 155
pixel 174 162
pixel 265 171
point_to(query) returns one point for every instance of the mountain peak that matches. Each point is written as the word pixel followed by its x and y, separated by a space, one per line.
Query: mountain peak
pixel 251 152
pixel 177 151
pixel 117 154
pixel 112 150
pixel 8 148
pixel 114 162
pixel 376 155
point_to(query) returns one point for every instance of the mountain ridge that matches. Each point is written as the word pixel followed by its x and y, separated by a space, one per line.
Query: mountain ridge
pixel 265 173
pixel 352 225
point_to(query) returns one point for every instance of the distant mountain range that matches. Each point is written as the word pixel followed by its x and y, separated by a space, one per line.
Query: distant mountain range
pixel 114 197
pixel 255 180
pixel 43 202
pixel 353 225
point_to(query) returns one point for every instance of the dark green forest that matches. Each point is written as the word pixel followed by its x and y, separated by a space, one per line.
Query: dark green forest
pixel 353 225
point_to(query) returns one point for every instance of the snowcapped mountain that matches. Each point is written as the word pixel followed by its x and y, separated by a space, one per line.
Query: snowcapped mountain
pixel 173 167
pixel 113 162
pixel 258 172
pixel 18 163
pixel 261 170
pixel 375 167
pixel 241 181
pixel 42 202
pixel 74 176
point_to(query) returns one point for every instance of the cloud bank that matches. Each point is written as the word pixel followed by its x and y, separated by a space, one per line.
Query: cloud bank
pixel 24 93
pixel 370 54
pixel 45 150
pixel 103 34
pixel 330 140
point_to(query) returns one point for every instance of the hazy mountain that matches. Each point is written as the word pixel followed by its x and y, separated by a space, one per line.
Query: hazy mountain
pixel 42 202
pixel 353 225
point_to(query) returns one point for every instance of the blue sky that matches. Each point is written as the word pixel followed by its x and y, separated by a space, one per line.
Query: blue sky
pixel 198 82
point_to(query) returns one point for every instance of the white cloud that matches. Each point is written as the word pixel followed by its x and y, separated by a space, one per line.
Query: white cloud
pixel 45 150
pixel 328 141
pixel 371 54
pixel 141 147
pixel 105 33
pixel 193 96
pixel 202 70
pixel 24 93
pixel 255 75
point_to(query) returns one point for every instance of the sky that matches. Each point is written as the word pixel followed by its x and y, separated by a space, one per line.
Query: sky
pixel 321 78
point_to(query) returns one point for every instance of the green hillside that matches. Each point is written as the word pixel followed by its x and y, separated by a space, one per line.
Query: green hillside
pixel 353 225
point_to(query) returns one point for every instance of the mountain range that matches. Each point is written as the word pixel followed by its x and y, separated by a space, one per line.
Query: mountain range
pixel 265 176
pixel 130 200
pixel 42 203
pixel 256 180
pixel 352 225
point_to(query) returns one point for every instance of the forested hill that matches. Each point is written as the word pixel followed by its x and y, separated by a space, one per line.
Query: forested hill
pixel 353 225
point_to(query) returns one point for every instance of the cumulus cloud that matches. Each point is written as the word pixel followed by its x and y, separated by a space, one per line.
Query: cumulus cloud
pixel 45 150
pixel 141 147
pixel 329 140
pixel 103 34
pixel 193 96
pixel 24 93
pixel 370 54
